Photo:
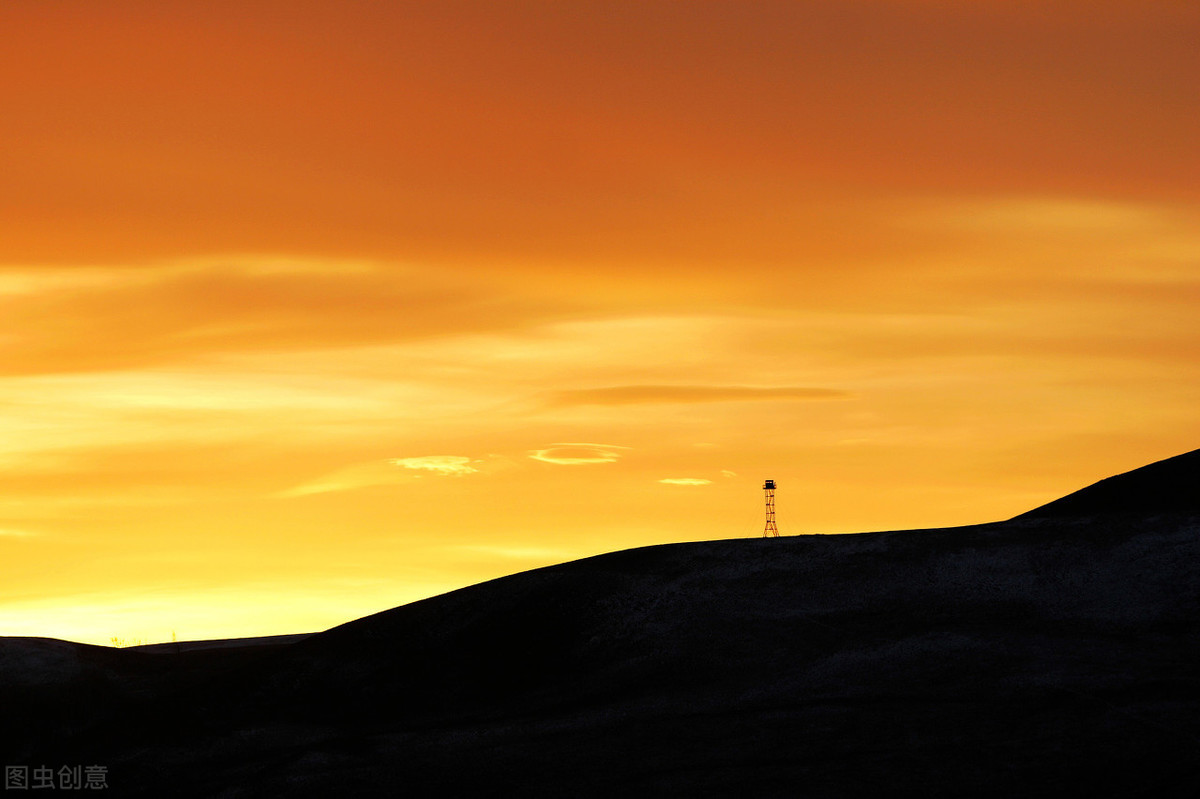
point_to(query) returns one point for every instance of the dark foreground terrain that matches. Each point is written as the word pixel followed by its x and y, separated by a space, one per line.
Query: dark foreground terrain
pixel 1052 655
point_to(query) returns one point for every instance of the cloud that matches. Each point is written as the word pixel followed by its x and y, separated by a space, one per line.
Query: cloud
pixel 103 319
pixel 686 481
pixel 449 465
pixel 728 473
pixel 12 533
pixel 393 471
pixel 654 394
pixel 573 454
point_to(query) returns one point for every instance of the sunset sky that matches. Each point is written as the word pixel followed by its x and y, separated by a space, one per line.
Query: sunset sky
pixel 311 309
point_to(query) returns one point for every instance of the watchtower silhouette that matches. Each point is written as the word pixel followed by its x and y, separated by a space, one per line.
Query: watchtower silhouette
pixel 770 531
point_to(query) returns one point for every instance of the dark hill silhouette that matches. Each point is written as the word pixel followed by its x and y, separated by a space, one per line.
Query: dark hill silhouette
pixel 1010 659
pixel 1168 486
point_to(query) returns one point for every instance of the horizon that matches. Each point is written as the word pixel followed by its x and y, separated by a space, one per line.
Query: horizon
pixel 313 312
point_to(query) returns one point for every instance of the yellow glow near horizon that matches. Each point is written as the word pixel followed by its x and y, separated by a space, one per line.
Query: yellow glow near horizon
pixel 389 300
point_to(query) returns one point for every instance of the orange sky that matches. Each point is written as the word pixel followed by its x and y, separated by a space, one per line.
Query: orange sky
pixel 309 309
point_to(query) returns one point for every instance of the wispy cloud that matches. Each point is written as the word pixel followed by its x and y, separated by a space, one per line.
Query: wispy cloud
pixel 448 465
pixel 9 532
pixel 90 320
pixel 393 471
pixel 652 394
pixel 575 454
pixel 686 481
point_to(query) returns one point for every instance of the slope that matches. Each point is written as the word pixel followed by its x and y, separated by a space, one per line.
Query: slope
pixel 1048 654
pixel 1167 486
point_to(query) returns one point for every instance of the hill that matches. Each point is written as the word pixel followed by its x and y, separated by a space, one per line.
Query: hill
pixel 1168 486
pixel 1051 654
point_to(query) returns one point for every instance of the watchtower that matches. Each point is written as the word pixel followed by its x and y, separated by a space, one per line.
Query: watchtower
pixel 770 531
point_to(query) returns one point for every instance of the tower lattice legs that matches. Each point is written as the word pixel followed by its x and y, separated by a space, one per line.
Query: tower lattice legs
pixel 770 531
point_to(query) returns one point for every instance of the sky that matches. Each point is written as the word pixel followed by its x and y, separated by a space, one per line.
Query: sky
pixel 312 309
